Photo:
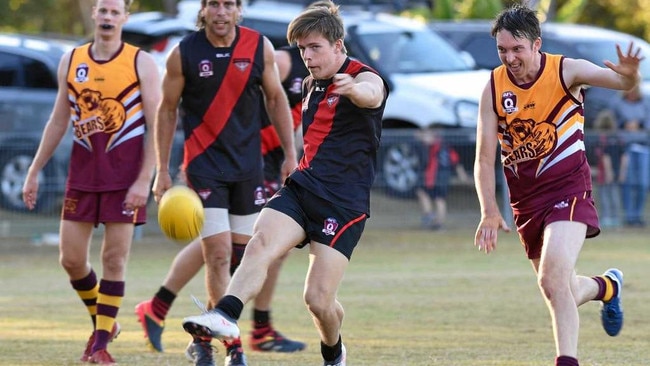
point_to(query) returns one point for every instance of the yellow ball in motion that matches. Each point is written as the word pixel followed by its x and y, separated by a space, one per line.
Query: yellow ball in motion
pixel 180 214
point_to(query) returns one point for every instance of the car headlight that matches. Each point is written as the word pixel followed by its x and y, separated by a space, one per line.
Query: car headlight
pixel 467 113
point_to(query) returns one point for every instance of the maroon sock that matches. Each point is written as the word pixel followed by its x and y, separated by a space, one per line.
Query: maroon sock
pixel 601 287
pixel 566 361
pixel 114 289
pixel 84 286
pixel 162 302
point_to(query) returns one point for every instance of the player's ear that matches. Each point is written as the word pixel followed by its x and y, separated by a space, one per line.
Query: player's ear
pixel 339 45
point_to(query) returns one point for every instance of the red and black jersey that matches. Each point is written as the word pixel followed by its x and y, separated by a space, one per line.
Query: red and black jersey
pixel 341 142
pixel 221 104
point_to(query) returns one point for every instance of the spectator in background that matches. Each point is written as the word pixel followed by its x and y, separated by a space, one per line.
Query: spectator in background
pixel 442 162
pixel 609 151
pixel 633 116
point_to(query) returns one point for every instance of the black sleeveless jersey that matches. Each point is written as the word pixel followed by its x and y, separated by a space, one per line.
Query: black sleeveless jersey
pixel 221 104
pixel 340 143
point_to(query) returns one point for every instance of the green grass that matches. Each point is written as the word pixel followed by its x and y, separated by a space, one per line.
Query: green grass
pixel 411 298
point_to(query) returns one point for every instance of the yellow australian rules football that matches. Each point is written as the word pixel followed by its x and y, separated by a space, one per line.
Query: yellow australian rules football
pixel 180 214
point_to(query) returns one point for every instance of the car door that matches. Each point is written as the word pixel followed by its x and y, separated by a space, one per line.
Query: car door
pixel 27 93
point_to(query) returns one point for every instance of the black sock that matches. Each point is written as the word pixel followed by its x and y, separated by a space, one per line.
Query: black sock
pixel 330 353
pixel 261 318
pixel 162 302
pixel 231 306
pixel 235 258
pixel 165 295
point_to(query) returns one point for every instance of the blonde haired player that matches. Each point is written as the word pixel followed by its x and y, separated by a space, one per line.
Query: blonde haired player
pixel 111 165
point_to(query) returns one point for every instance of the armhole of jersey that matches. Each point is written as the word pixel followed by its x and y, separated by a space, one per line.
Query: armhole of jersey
pixel 493 92
pixel 135 66
pixel 67 71
pixel 566 89
pixel 261 40
pixel 181 57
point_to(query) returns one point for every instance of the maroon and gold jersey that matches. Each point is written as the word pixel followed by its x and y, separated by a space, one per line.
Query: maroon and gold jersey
pixel 107 120
pixel 541 132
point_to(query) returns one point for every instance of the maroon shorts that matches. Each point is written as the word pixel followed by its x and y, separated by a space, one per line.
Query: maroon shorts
pixel 531 226
pixel 100 207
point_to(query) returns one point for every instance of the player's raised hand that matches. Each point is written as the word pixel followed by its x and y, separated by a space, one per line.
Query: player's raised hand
pixel 628 62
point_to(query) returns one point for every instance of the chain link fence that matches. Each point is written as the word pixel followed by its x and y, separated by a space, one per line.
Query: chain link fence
pixel 403 162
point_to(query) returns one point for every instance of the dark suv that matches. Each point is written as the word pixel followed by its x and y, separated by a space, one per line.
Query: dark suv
pixel 28 86
pixel 572 40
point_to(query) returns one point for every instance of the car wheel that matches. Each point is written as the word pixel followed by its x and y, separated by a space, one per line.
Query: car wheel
pixel 400 169
pixel 13 170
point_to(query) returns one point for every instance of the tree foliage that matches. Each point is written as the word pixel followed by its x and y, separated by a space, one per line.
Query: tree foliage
pixel 72 17
pixel 61 17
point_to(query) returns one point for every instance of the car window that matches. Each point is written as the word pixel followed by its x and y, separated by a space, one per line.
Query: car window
pixel 37 75
pixel 411 52
pixel 9 69
pixel 559 48
pixel 25 72
pixel 483 47
pixel 276 32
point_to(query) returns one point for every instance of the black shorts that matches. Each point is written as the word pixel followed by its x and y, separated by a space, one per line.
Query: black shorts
pixel 323 221
pixel 239 198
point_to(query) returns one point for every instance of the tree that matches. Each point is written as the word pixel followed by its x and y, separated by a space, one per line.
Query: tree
pixel 72 17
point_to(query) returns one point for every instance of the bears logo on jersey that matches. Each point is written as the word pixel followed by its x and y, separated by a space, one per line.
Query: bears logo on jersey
pixel 98 114
pixel 529 140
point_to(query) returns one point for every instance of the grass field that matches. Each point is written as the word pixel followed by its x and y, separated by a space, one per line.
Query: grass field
pixel 411 298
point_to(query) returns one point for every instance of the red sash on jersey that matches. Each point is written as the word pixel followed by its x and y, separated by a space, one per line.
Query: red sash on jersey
pixel 324 116
pixel 231 88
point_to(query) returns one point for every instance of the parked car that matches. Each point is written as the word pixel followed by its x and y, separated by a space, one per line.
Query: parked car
pixel 28 87
pixel 156 33
pixel 432 84
pixel 572 40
